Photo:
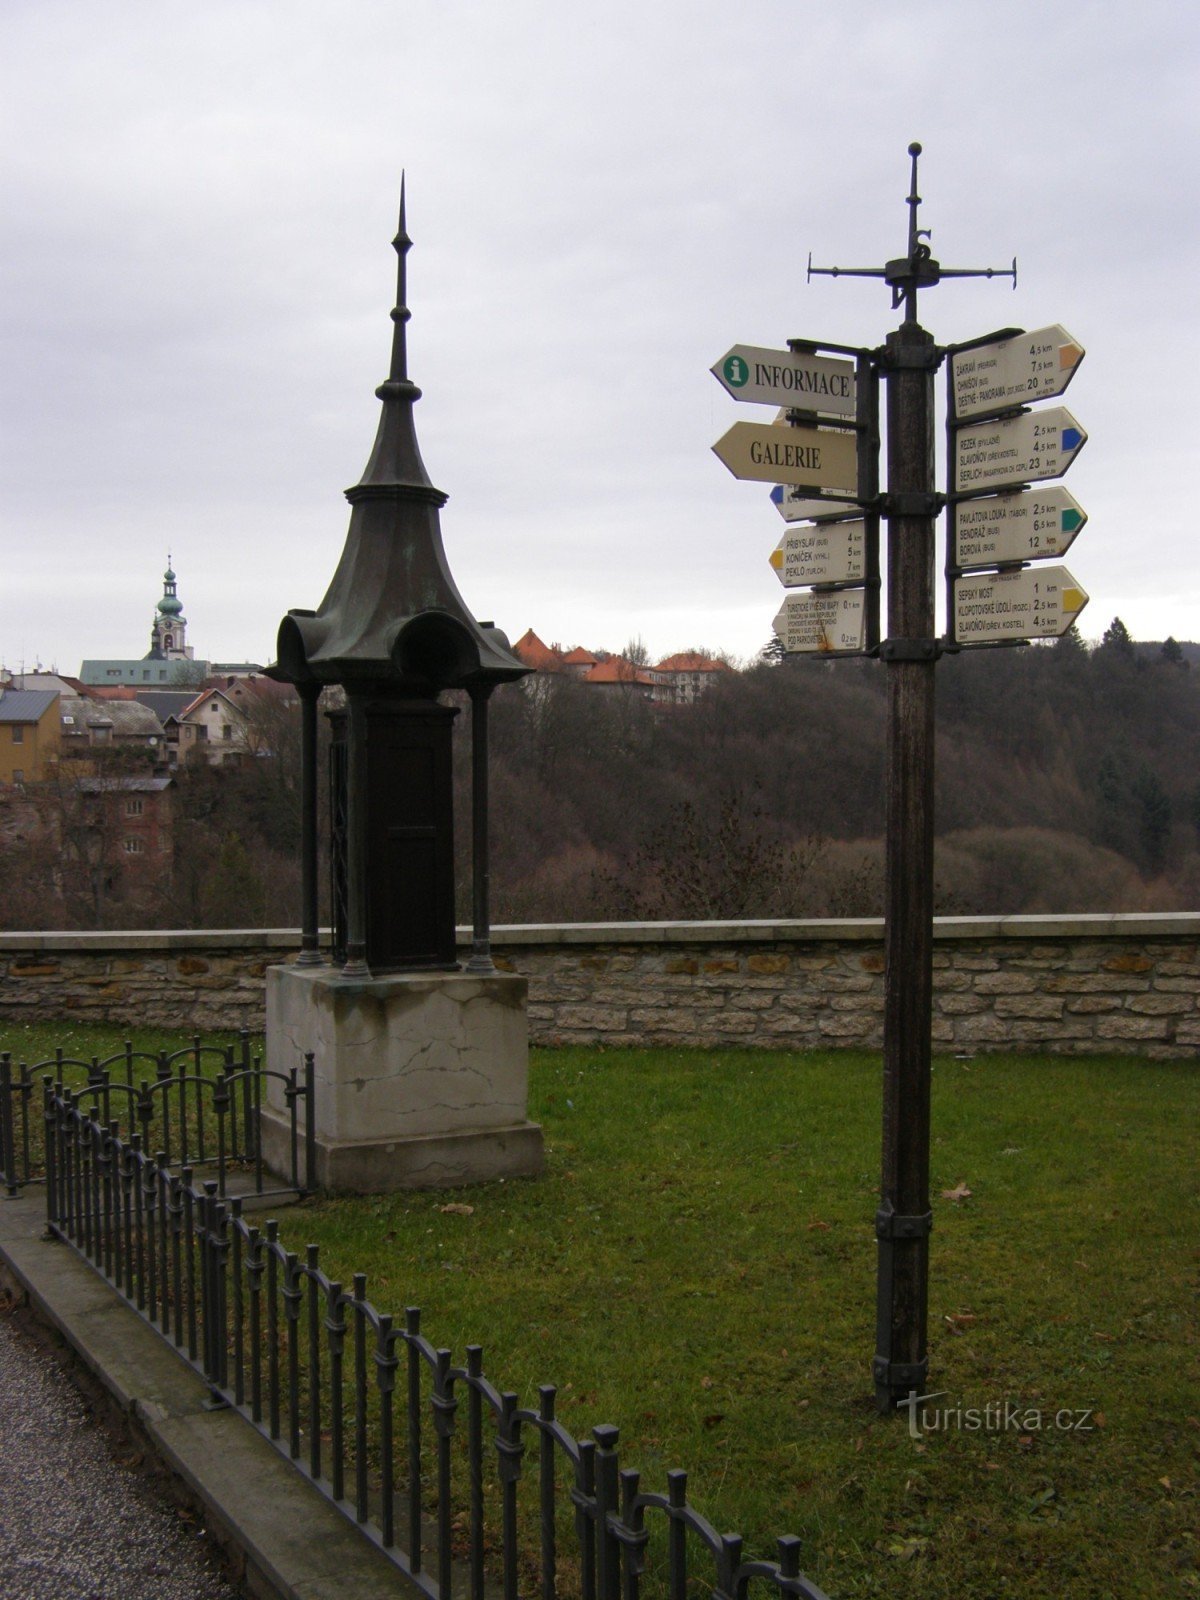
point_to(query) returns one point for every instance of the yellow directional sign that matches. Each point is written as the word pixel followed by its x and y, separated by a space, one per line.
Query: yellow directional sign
pixel 812 458
pixel 1035 603
pixel 821 552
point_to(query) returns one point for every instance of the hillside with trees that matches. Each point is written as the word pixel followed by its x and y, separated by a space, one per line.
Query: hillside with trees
pixel 1067 781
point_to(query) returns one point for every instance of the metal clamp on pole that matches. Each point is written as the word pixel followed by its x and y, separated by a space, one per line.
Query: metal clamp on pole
pixel 899 1375
pixel 910 649
pixel 912 358
pixel 891 1225
pixel 912 504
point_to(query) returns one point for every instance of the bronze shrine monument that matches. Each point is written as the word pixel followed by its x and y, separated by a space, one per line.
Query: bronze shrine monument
pixel 420 1064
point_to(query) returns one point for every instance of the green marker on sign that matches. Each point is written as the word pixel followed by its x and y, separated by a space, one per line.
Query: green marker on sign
pixel 798 380
pixel 1031 525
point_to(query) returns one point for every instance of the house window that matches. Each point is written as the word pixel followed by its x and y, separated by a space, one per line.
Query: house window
pixel 18 734
pixel 133 808
pixel 18 774
pixel 227 731
pixel 134 847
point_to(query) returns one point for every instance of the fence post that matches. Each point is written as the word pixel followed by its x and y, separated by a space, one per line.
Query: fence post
pixel 310 1125
pixel 7 1144
pixel 608 1552
pixel 50 1120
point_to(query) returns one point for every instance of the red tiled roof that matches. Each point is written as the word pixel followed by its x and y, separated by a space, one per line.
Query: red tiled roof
pixel 690 661
pixel 579 657
pixel 530 649
pixel 617 670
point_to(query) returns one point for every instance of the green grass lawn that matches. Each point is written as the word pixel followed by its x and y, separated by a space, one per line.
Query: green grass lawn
pixel 698 1267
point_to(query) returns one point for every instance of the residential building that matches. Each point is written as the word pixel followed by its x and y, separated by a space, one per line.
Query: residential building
pixel 676 680
pixel 30 734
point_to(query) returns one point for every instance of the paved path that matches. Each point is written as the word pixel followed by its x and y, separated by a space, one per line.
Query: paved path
pixel 77 1521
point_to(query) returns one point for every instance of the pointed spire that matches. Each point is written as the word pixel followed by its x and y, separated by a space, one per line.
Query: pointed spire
pixel 402 244
pixel 392 613
pixel 396 458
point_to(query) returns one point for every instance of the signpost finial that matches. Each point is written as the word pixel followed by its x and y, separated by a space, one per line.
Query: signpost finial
pixel 918 269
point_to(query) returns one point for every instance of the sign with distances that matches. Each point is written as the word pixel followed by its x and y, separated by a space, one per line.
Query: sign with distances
pixel 822 624
pixel 790 378
pixel 1036 445
pixel 1016 527
pixel 821 552
pixel 1035 603
pixel 793 506
pixel 1013 372
pixel 814 458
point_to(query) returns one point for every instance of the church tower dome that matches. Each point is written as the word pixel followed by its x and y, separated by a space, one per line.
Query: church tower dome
pixel 168 634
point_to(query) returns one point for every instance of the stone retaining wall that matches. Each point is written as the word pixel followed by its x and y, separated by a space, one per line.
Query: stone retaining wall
pixel 1069 984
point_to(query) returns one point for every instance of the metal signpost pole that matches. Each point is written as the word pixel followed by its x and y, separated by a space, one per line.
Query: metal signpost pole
pixel 910 651
pixel 827 476
pixel 908 361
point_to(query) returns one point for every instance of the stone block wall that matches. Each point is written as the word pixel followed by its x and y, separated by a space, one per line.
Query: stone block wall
pixel 1128 984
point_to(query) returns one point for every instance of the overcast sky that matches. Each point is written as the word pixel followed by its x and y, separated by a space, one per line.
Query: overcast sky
pixel 198 203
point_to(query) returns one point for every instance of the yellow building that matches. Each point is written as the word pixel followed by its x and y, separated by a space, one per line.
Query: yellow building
pixel 30 734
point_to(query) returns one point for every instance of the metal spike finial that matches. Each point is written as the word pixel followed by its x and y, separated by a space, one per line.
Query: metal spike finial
pixel 918 269
pixel 398 376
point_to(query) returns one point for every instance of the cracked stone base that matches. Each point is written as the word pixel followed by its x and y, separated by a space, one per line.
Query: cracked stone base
pixel 420 1079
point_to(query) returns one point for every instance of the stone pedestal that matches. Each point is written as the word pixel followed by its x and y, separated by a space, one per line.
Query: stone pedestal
pixel 420 1079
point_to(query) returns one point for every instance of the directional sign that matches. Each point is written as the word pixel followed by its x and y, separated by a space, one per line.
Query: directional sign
pixel 822 624
pixel 1012 372
pixel 822 552
pixel 1016 527
pixel 1028 448
pixel 1035 603
pixel 814 458
pixel 793 506
pixel 787 378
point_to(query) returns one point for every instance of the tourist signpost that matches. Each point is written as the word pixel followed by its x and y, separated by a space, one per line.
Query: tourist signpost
pixel 1013 450
pixel 771 452
pixel 823 624
pixel 996 523
pixel 1012 372
pixel 821 552
pixel 793 505
pixel 1031 525
pixel 798 379
pixel 1031 603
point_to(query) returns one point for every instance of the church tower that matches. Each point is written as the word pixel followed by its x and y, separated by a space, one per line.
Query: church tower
pixel 168 635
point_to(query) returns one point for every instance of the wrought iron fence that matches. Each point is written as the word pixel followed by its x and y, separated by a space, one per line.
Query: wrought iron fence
pixel 199 1109
pixel 452 1477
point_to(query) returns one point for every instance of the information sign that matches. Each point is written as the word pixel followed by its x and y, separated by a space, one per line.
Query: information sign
pixel 1013 450
pixel 813 458
pixel 1035 603
pixel 1016 527
pixel 1013 372
pixel 794 506
pixel 821 552
pixel 791 378
pixel 822 624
